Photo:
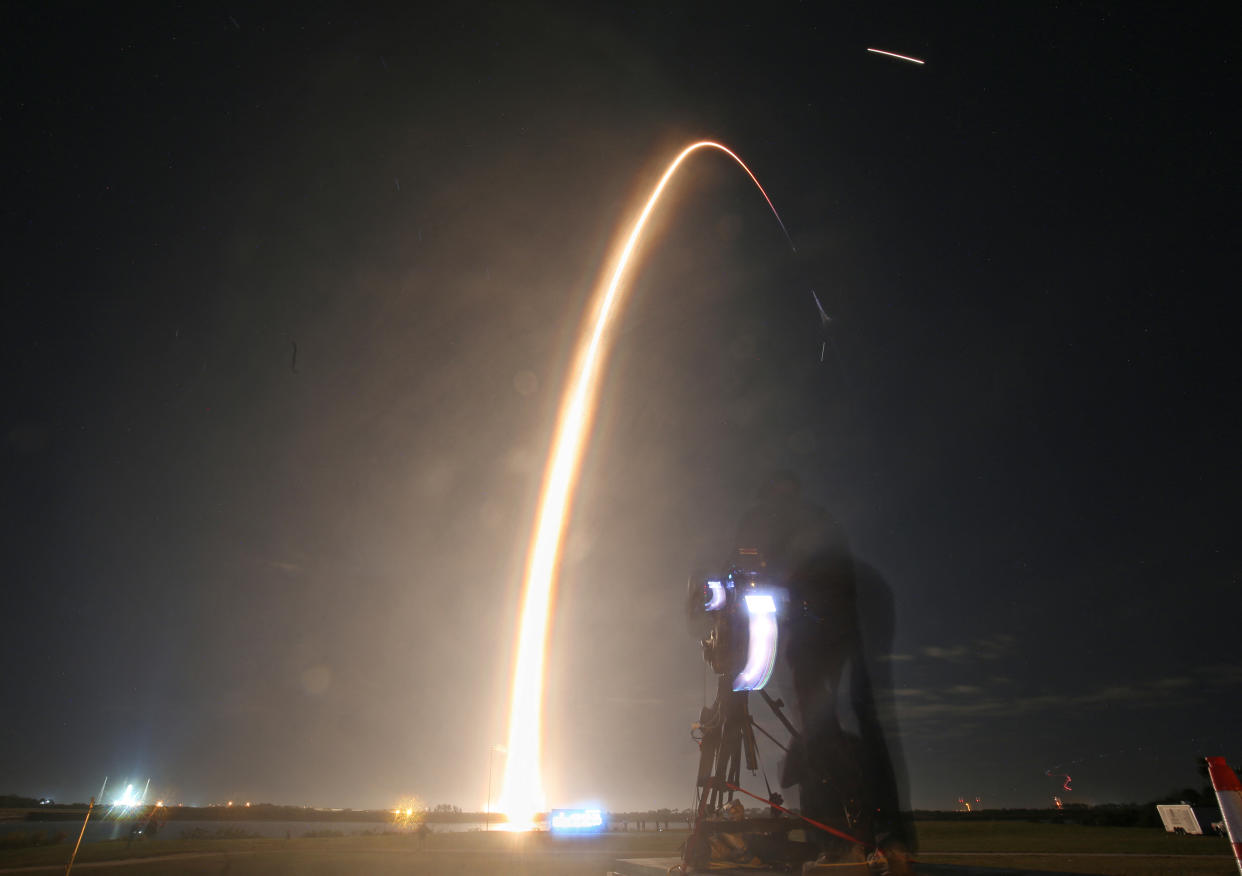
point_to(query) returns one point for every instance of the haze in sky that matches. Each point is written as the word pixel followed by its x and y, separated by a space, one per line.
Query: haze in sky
pixel 290 305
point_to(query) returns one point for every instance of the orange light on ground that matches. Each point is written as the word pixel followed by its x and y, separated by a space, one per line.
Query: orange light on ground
pixel 523 794
pixel 409 812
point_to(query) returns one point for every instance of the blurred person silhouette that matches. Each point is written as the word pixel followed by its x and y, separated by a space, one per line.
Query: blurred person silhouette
pixel 842 761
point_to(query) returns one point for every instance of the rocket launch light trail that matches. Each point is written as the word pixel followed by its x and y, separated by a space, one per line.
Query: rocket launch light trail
pixel 522 796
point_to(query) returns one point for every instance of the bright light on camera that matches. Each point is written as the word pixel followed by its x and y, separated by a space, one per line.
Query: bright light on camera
pixel 717 600
pixel 760 603
pixel 761 650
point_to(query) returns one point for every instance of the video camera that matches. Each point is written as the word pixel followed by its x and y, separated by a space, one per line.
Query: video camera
pixel 741 610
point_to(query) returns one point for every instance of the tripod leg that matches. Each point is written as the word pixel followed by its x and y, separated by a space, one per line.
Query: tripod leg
pixel 776 706
pixel 709 745
pixel 752 750
pixel 734 764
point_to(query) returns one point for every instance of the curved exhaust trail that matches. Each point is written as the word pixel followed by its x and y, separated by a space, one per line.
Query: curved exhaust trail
pixel 522 796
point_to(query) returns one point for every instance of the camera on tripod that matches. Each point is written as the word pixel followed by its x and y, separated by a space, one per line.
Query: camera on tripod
pixel 743 609
pixel 737 617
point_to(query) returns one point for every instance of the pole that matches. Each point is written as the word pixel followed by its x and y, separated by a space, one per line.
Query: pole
pixel 1229 796
pixel 82 832
pixel 491 756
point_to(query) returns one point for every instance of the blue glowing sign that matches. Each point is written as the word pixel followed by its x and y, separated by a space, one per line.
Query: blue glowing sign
pixel 576 821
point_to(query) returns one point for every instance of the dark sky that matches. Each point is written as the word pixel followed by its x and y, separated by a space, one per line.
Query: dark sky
pixel 252 574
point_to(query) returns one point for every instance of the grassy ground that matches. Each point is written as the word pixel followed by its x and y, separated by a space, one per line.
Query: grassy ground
pixel 1102 865
pixel 1021 836
pixel 1017 845
pixel 1069 848
pixel 457 853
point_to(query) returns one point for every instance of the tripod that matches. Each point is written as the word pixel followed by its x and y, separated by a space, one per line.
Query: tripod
pixel 728 736
pixel 727 742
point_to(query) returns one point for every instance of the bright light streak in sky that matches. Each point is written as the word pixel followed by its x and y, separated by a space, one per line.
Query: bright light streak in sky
pixel 523 794
pixel 895 55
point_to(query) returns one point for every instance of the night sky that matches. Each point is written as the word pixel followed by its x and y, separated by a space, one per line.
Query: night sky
pixel 288 302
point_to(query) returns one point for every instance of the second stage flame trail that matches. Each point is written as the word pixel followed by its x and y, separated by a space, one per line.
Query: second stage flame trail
pixel 523 795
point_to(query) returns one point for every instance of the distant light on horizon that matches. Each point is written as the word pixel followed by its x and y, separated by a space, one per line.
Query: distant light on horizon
pixel 127 800
pixel 408 812
pixel 576 820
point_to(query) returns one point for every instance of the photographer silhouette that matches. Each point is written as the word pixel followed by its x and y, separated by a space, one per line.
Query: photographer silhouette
pixel 846 779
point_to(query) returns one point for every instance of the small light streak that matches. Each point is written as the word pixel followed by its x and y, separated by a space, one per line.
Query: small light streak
pixel 1068 779
pixel 523 796
pixel 895 55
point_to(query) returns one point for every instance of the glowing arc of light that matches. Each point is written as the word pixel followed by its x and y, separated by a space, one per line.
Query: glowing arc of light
pixel 895 55
pixel 761 645
pixel 522 795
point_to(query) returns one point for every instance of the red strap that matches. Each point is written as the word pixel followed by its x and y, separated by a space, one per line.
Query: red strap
pixel 810 821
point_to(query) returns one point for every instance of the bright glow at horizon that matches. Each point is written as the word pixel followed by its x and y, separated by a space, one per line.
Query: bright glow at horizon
pixel 579 820
pixel 408 812
pixel 127 800
pixel 523 794
pixel 895 55
pixel 761 650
